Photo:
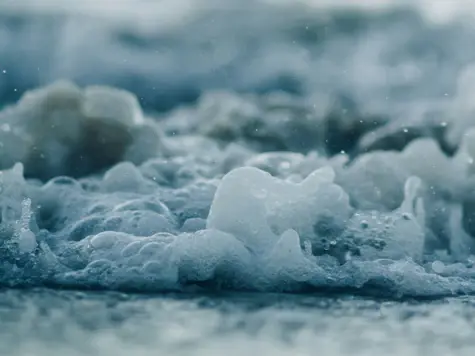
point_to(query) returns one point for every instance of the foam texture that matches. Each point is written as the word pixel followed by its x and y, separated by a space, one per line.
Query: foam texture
pixel 299 154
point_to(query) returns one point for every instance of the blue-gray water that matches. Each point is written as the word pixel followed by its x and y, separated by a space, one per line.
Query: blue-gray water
pixel 215 157
pixel 46 322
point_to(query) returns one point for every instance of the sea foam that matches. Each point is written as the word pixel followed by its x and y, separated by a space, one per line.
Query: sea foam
pixel 182 212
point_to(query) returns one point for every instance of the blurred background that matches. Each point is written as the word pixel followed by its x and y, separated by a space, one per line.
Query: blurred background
pixel 384 55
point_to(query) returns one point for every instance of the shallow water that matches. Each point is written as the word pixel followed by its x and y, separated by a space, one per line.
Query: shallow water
pixel 224 154
pixel 46 322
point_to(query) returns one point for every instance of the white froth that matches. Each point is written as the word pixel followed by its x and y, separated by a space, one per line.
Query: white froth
pixel 261 192
pixel 61 125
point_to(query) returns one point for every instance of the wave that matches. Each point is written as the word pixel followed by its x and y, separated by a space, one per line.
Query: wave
pixel 256 148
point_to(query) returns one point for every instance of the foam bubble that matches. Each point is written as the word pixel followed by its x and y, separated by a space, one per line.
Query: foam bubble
pixel 63 130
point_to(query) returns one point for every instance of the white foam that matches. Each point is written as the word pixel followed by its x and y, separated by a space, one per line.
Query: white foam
pixel 239 191
pixel 61 130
